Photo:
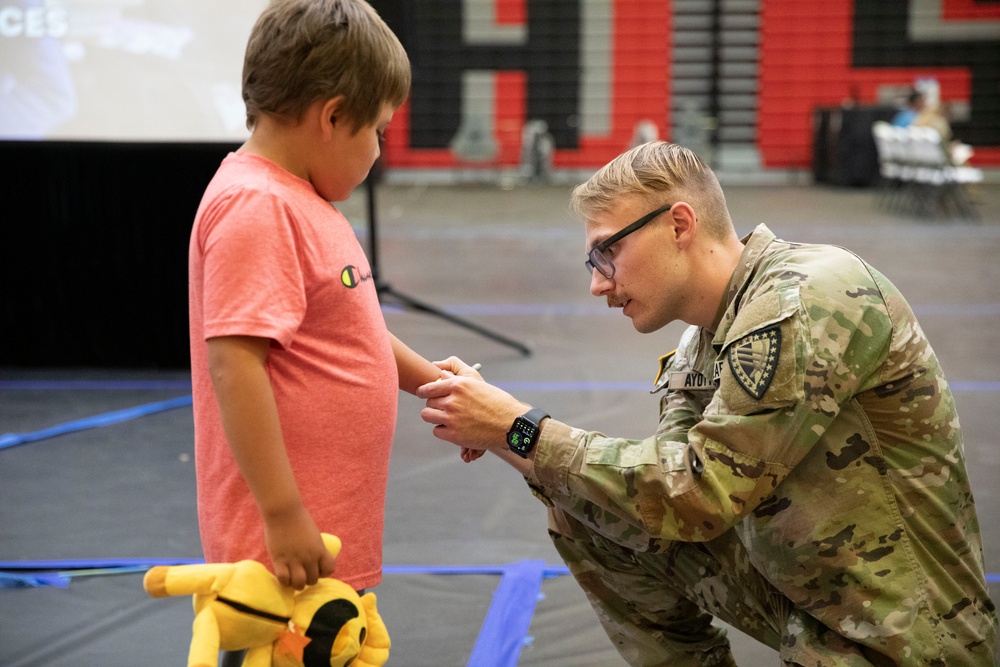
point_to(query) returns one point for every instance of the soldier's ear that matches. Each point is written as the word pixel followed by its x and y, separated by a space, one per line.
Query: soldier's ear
pixel 684 221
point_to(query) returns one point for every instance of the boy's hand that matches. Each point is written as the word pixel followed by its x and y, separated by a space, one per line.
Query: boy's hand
pixel 296 548
pixel 455 366
pixel 470 455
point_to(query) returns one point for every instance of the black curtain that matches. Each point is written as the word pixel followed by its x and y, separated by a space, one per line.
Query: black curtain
pixel 94 238
pixel 843 146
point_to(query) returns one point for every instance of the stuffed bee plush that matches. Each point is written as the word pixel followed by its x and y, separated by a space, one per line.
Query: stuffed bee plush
pixel 243 606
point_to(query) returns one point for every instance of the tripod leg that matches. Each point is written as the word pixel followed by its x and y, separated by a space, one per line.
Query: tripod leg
pixel 422 307
pixel 383 288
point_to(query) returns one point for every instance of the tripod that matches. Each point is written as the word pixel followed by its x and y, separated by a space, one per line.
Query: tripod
pixel 384 288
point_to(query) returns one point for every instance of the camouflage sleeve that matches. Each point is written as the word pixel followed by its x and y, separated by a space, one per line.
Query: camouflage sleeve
pixel 596 497
pixel 792 356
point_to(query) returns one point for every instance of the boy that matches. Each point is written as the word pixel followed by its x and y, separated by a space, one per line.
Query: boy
pixel 294 372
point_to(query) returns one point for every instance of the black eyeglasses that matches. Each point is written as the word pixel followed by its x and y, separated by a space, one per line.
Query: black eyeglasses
pixel 598 260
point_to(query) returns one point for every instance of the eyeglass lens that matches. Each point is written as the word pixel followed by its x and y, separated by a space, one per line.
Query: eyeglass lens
pixel 596 259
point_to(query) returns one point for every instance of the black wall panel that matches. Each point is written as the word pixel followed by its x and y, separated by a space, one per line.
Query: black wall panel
pixel 94 239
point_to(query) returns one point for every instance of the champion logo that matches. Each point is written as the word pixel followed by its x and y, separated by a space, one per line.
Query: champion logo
pixel 351 277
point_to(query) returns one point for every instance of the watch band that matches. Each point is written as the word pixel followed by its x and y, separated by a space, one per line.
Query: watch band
pixel 523 433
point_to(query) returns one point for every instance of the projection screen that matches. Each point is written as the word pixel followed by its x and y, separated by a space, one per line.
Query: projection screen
pixel 123 70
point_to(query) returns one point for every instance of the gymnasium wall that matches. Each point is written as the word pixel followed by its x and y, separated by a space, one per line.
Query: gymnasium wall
pixel 730 72
pixel 115 113
pixel 592 69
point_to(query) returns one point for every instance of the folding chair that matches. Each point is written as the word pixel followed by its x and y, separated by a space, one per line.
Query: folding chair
pixel 889 165
pixel 945 185
pixel 926 156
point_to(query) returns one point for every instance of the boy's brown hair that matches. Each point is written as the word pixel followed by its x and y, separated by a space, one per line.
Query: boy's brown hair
pixel 302 51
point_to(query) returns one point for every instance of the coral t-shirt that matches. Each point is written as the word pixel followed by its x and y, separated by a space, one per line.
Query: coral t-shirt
pixel 270 258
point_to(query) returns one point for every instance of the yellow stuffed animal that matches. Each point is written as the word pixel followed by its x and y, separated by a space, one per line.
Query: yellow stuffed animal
pixel 243 606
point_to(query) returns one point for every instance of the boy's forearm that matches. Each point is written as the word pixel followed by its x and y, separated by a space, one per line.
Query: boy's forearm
pixel 413 369
pixel 250 420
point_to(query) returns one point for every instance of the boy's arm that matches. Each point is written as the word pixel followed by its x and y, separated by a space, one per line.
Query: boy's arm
pixel 250 419
pixel 413 369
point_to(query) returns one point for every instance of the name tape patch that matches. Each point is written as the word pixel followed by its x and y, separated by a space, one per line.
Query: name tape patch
pixel 694 381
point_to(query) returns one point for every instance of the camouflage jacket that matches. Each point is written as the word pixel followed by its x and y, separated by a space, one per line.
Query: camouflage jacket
pixel 815 422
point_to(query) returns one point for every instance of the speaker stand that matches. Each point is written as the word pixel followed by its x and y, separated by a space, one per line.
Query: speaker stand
pixel 385 289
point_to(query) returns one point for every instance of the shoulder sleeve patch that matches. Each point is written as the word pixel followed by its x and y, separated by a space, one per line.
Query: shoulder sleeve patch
pixel 763 365
pixel 753 359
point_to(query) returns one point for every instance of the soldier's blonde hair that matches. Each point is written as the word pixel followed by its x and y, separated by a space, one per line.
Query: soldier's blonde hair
pixel 303 51
pixel 659 172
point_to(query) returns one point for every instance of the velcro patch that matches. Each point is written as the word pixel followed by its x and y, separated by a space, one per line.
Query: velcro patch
pixel 753 359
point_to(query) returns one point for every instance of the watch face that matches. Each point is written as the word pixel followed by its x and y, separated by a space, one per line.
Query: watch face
pixel 523 432
pixel 520 440
pixel 521 436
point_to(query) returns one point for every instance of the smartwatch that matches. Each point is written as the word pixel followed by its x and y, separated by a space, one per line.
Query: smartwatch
pixel 523 433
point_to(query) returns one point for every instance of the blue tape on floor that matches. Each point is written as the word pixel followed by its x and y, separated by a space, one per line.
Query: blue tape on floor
pixel 13 439
pixel 69 568
pixel 62 579
pixel 14 580
pixel 93 385
pixel 549 572
pixel 505 629
pixel 95 563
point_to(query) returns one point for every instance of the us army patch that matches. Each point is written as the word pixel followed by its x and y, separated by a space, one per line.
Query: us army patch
pixel 753 359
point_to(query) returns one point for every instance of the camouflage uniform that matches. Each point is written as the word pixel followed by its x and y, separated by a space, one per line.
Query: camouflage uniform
pixel 806 484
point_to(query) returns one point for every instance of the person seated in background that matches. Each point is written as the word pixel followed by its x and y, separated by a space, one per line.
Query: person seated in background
pixel 915 104
pixel 937 117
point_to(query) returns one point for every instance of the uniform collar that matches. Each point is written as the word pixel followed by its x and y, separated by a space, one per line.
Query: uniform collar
pixel 754 245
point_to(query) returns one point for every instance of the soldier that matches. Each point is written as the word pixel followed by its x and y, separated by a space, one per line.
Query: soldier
pixel 807 482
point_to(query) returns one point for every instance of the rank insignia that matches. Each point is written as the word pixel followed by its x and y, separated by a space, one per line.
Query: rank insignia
pixel 753 359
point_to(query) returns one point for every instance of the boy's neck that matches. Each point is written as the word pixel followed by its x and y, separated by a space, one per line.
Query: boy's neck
pixel 281 143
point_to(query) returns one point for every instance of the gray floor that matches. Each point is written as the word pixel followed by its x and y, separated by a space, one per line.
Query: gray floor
pixel 511 261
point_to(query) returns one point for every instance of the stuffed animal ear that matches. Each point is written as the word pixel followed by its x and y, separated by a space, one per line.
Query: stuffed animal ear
pixel 195 579
pixel 155 581
pixel 332 543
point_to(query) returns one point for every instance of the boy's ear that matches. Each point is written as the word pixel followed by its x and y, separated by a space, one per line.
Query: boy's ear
pixel 331 114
